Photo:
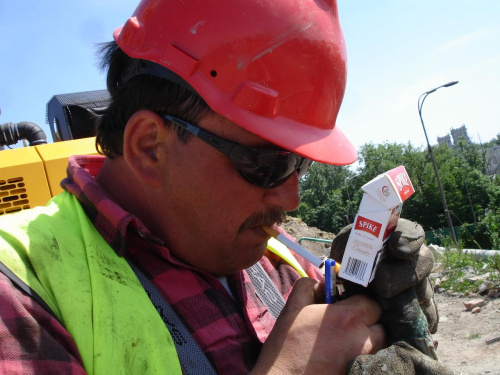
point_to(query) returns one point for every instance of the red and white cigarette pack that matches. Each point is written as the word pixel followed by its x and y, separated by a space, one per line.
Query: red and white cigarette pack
pixel 378 214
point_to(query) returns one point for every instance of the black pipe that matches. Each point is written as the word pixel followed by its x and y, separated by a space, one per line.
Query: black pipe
pixel 11 133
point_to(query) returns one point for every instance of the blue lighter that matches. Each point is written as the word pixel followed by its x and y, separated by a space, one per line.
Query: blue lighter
pixel 330 281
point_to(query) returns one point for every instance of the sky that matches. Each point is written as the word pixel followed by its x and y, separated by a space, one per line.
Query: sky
pixel 397 50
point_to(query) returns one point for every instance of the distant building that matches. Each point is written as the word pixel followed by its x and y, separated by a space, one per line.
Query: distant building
pixel 493 160
pixel 446 140
pixel 460 133
pixel 456 134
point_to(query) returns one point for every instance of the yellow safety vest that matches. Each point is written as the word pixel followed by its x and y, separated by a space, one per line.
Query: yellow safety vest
pixel 59 254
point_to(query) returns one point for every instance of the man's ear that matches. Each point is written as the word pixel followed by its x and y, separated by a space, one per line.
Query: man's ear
pixel 144 146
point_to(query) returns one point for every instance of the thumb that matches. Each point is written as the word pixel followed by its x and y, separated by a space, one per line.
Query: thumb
pixel 306 291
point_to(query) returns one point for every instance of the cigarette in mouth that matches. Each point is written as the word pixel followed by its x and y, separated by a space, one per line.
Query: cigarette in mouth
pixel 294 246
pixel 333 286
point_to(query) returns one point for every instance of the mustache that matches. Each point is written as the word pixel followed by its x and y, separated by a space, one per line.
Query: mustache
pixel 264 219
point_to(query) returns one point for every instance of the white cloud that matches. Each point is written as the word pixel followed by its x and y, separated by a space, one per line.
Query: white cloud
pixel 468 39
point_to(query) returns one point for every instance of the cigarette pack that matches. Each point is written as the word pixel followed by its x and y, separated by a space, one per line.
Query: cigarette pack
pixel 378 214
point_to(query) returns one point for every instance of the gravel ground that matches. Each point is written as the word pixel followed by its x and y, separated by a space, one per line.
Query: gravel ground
pixel 462 335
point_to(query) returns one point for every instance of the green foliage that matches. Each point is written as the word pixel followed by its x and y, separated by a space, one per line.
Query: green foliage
pixel 331 194
pixel 455 259
pixel 494 142
pixel 473 336
pixel 326 215
pixel 495 262
pixel 491 225
pixel 324 201
pixel 457 283
pixel 468 240
pixel 456 262
pixel 380 158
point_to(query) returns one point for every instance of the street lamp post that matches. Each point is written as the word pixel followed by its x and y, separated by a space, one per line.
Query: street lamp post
pixel 470 199
pixel 421 100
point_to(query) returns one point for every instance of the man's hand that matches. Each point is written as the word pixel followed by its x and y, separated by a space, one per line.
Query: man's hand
pixel 407 264
pixel 317 338
pixel 402 287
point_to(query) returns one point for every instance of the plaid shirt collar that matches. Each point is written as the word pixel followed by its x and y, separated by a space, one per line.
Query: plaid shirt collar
pixel 110 219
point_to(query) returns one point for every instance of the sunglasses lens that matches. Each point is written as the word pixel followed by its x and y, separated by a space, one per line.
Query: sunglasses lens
pixel 267 168
pixel 260 167
pixel 304 166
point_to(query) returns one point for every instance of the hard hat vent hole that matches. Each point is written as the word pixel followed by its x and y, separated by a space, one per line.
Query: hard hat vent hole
pixel 213 73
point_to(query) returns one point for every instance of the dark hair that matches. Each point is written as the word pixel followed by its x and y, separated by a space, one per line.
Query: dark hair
pixel 132 91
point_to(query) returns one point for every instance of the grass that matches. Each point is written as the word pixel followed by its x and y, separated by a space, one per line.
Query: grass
pixel 474 336
pixel 456 265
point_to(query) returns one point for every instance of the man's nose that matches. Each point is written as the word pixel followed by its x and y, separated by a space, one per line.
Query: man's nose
pixel 286 196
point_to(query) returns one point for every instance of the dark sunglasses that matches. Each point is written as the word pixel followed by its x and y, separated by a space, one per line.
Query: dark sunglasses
pixel 264 168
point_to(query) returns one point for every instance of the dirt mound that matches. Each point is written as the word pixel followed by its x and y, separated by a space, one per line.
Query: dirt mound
pixel 305 235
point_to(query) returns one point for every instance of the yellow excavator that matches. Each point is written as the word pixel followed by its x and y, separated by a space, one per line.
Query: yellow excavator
pixel 31 175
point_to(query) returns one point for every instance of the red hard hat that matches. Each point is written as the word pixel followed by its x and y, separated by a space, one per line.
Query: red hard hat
pixel 274 67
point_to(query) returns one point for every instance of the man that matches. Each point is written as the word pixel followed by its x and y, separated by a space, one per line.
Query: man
pixel 216 112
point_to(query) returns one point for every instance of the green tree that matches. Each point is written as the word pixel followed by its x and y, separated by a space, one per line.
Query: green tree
pixel 377 159
pixel 331 194
pixel 494 142
pixel 323 197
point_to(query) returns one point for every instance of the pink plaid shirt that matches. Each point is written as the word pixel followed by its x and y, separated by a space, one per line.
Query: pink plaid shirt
pixel 229 329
